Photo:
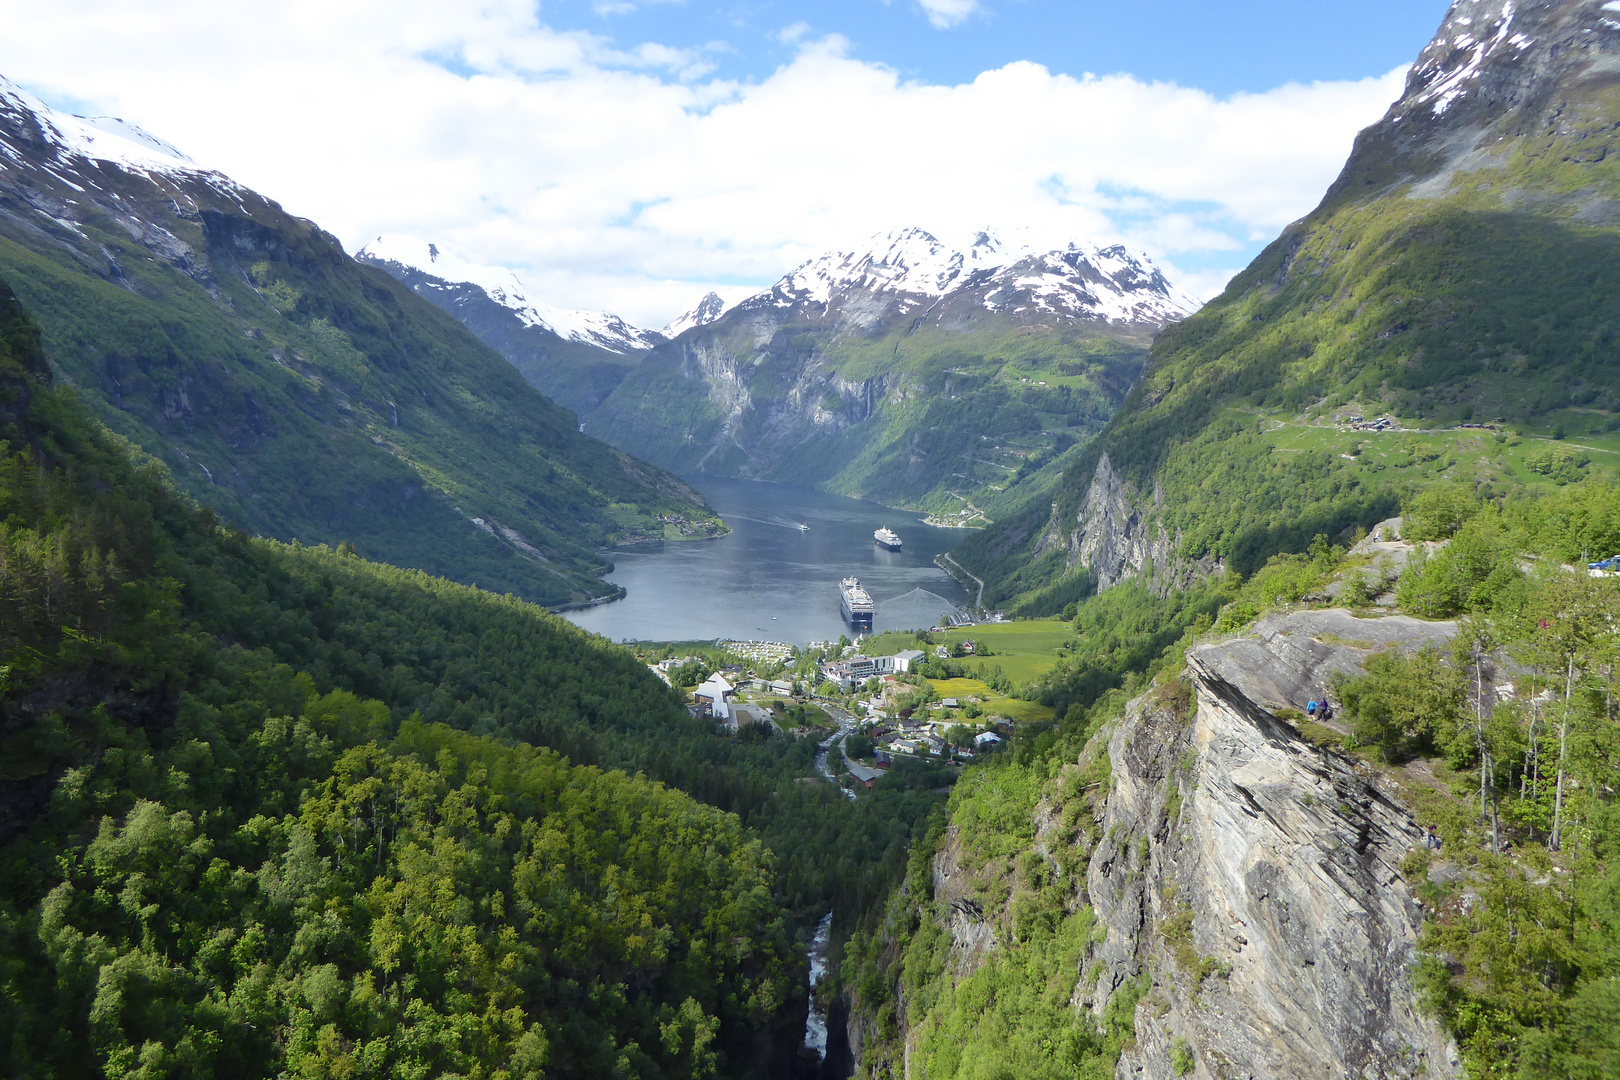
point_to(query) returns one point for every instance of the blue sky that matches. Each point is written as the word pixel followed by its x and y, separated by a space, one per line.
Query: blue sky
pixel 1222 47
pixel 631 155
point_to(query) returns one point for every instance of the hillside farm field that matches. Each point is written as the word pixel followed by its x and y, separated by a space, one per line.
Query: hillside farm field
pixel 1024 650
pixel 993 704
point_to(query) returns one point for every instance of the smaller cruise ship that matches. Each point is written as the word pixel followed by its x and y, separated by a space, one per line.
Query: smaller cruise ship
pixel 887 539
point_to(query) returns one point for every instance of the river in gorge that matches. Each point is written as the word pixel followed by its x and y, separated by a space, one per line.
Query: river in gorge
pixel 770 580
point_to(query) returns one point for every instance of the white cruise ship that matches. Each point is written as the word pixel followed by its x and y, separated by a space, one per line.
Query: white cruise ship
pixel 857 604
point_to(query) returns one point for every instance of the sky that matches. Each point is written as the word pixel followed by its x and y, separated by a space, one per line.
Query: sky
pixel 632 155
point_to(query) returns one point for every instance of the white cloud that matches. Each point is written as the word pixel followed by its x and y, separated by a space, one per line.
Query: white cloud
pixel 947 13
pixel 633 180
pixel 625 7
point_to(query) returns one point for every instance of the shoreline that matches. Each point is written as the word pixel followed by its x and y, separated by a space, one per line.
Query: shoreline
pixel 619 593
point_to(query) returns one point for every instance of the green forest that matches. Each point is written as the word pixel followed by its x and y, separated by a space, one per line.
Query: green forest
pixel 302 776
pixel 277 810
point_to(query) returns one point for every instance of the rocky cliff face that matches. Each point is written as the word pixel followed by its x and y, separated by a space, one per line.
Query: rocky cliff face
pixel 1247 884
pixel 1117 537
pixel 1497 74
pixel 1270 910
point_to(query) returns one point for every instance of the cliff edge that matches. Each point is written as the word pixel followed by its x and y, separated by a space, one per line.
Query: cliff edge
pixel 1267 904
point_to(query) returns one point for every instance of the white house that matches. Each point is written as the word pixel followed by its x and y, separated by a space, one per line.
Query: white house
pixel 716 693
pixel 986 738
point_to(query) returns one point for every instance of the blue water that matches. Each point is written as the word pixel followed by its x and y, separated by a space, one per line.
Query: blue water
pixel 767 580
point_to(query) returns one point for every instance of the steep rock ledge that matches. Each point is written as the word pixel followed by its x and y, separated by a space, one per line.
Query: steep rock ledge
pixel 1267 904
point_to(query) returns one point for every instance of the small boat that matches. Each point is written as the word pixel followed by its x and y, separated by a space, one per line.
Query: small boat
pixel 887 538
pixel 803 527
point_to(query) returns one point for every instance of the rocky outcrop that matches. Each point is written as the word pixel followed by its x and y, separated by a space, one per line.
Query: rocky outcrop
pixel 1251 909
pixel 1497 71
pixel 973 937
pixel 1255 877
pixel 802 400
pixel 1117 536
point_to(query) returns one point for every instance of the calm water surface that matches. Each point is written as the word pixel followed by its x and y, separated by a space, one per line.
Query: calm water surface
pixel 768 580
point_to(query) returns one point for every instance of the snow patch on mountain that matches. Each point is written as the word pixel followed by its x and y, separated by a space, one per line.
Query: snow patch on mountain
pixel 1449 66
pixel 1012 272
pixel 599 328
pixel 96 138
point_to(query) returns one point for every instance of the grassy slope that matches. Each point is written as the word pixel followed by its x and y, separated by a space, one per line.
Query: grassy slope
pixel 574 375
pixel 308 397
pixel 1491 301
pixel 1024 650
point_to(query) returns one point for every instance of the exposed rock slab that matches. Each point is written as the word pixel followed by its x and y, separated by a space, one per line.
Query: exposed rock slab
pixel 1296 960
pixel 1286 660
pixel 1118 537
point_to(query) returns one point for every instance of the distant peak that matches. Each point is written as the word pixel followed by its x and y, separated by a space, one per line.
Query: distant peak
pixel 710 308
pixel 502 285
pixel 1016 270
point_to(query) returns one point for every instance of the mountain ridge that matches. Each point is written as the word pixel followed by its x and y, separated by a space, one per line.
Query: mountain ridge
pixel 1456 272
pixel 928 376
pixel 573 357
pixel 302 395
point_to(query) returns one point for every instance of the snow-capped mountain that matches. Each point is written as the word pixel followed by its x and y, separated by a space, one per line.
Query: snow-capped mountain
pixel 600 329
pixel 74 140
pixel 904 369
pixel 917 272
pixel 710 308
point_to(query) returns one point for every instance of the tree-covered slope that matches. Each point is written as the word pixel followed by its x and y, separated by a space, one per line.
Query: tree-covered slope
pixel 302 395
pixel 219 860
pixel 270 809
pixel 1462 270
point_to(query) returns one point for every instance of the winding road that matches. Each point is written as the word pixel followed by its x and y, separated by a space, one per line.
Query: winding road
pixel 979 603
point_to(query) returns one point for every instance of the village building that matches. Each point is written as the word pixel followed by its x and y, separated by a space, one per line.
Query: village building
pixel 714 697
pixel 855 670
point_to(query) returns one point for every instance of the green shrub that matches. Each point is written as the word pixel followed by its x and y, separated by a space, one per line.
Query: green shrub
pixel 1438 512
pixel 1468 575
pixel 1561 464
pixel 1402 705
